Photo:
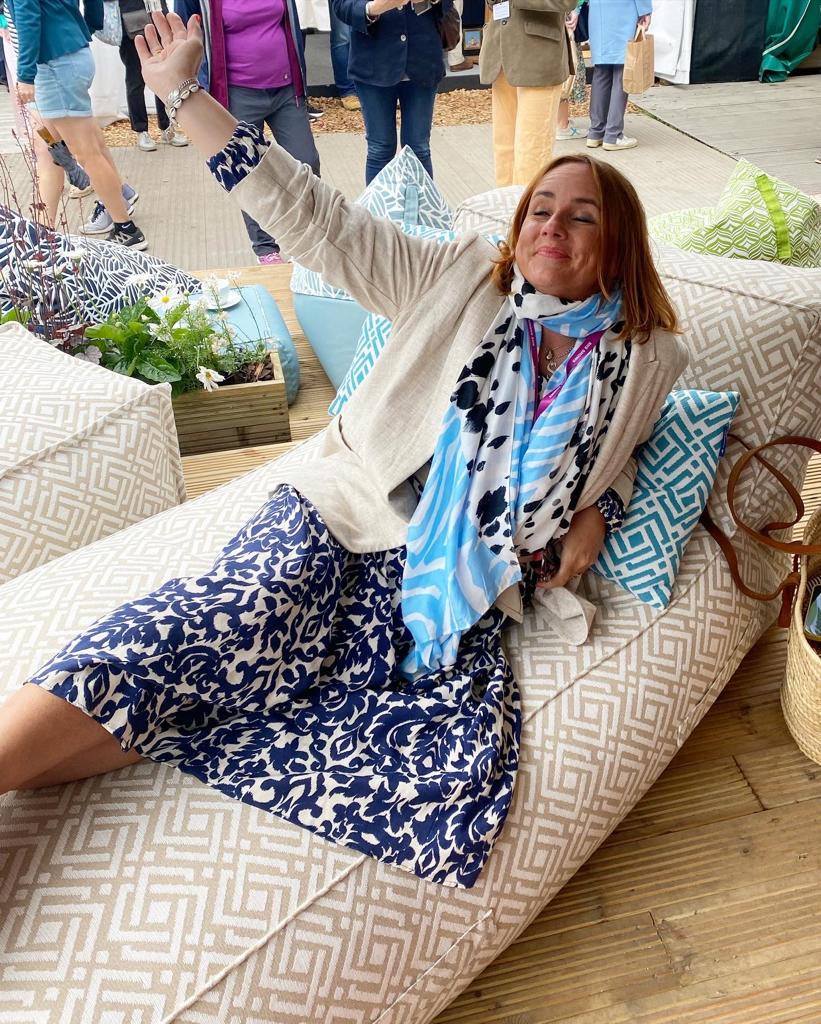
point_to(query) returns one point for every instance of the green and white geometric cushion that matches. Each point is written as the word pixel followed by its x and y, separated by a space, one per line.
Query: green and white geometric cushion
pixel 757 218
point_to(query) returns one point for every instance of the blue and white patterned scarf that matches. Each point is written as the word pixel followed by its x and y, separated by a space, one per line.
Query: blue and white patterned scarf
pixel 501 484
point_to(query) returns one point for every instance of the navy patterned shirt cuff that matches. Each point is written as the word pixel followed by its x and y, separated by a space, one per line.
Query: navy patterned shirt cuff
pixel 612 508
pixel 241 155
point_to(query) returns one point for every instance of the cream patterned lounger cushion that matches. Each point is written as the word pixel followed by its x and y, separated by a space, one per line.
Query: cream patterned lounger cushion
pixel 145 897
pixel 83 452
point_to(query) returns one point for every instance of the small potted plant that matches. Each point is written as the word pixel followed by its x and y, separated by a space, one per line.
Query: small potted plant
pixel 228 391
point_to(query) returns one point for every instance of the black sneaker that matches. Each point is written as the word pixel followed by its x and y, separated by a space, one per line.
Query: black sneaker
pixel 128 235
pixel 314 110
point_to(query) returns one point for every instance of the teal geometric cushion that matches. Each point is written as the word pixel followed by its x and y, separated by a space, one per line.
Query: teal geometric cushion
pixel 756 218
pixel 675 472
pixel 404 192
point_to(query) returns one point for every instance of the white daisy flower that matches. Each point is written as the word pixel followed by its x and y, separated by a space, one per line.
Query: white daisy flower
pixel 165 301
pixel 138 279
pixel 209 378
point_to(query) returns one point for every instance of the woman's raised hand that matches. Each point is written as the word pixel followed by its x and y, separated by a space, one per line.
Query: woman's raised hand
pixel 170 52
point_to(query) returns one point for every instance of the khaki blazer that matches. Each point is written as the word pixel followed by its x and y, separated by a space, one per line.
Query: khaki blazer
pixel 531 46
pixel 441 301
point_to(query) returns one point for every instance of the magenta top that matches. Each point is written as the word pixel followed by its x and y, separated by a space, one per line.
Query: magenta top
pixel 257 54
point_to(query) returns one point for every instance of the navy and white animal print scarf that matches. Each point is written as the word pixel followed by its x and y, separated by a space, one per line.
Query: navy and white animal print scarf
pixel 510 462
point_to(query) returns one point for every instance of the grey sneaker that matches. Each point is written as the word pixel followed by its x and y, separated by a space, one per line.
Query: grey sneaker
pixel 101 221
pixel 174 137
pixel 130 236
pixel 146 143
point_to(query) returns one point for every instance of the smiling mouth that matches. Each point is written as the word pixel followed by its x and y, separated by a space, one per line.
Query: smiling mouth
pixel 552 254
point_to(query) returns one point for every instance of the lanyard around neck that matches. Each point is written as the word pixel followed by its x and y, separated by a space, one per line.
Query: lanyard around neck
pixel 578 353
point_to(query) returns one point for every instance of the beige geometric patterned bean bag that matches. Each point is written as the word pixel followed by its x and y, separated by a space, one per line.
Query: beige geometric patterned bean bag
pixel 83 452
pixel 145 897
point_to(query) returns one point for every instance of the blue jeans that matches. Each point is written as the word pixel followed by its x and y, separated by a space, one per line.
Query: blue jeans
pixel 340 47
pixel 379 110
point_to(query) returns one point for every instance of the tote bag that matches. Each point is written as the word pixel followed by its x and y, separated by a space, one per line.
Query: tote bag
pixel 639 63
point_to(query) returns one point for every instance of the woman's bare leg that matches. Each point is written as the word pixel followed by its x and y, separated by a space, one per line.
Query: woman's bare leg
pixel 51 178
pixel 45 740
pixel 86 142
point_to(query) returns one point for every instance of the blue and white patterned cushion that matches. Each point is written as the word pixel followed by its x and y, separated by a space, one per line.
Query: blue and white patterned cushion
pixel 675 474
pixel 404 192
pixel 375 332
pixel 69 279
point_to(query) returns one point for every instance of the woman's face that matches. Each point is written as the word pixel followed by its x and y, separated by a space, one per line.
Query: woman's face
pixel 558 247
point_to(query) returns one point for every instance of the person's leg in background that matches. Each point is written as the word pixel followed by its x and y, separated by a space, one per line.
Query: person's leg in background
pixel 340 43
pixel 135 95
pixel 61 89
pixel 379 111
pixel 456 56
pixel 599 103
pixel 614 137
pixel 503 98
pixel 290 126
pixel 416 104
pixel 573 91
pixel 50 178
pixel 253 106
pixel 536 113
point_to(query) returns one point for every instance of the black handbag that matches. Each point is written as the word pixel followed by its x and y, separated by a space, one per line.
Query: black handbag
pixel 136 17
pixel 448 25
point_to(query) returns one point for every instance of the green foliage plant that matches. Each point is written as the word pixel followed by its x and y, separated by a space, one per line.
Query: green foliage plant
pixel 172 339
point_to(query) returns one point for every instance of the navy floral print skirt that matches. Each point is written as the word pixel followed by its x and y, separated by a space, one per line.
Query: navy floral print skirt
pixel 274 678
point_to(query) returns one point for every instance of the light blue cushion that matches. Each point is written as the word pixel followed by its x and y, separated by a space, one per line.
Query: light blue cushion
pixel 675 474
pixel 402 191
pixel 331 327
pixel 258 316
pixel 377 329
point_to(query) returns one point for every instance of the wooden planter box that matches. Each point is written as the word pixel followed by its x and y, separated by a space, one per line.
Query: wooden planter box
pixel 234 416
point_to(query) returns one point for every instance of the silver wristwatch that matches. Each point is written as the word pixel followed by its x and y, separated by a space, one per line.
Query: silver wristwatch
pixel 177 97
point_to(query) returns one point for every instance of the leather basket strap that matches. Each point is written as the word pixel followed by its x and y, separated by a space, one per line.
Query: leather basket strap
pixel 789 584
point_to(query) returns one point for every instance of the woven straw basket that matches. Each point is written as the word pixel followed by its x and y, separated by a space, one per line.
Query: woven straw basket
pixel 801 689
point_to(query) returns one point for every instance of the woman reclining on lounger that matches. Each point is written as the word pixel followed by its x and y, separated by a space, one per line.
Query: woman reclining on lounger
pixel 341 663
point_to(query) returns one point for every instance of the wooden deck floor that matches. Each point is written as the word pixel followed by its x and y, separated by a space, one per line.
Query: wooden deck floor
pixel 768 124
pixel 703 906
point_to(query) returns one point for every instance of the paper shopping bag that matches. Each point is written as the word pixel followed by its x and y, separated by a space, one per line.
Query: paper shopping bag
pixel 639 63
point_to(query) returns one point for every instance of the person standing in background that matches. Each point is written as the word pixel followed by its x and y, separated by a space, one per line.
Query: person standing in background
pixel 256 68
pixel 612 23
pixel 135 91
pixel 396 58
pixel 55 70
pixel 456 56
pixel 525 58
pixel 575 88
pixel 340 44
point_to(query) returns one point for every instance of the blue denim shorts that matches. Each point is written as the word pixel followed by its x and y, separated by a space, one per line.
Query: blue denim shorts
pixel 61 86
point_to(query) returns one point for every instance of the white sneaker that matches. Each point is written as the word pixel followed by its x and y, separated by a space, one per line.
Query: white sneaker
pixel 570 132
pixel 174 137
pixel 146 143
pixel 622 142
pixel 593 143
pixel 80 193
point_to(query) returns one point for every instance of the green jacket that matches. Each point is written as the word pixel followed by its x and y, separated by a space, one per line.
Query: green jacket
pixel 48 29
